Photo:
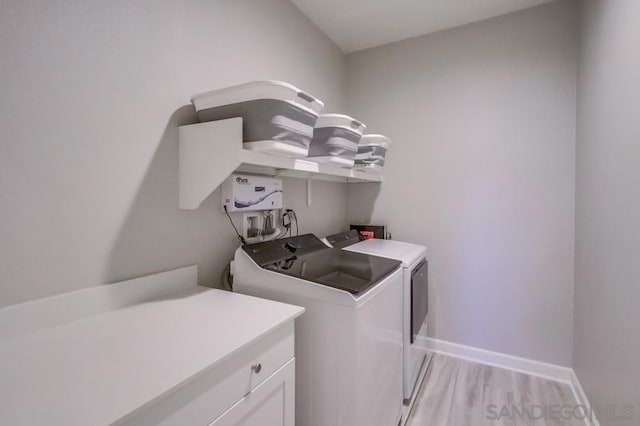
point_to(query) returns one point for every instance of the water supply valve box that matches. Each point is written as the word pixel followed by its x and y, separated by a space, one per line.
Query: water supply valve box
pixel 249 193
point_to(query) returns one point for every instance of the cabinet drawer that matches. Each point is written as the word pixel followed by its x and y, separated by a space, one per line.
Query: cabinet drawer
pixel 271 403
pixel 202 399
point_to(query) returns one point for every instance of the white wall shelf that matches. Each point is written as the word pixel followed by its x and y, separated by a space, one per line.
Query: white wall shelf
pixel 209 152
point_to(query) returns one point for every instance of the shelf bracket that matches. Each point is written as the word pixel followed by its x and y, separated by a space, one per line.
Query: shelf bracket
pixel 206 158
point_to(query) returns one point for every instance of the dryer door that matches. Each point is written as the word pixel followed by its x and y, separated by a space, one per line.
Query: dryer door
pixel 419 298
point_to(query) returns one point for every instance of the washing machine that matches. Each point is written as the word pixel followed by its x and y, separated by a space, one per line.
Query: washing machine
pixel 415 298
pixel 348 343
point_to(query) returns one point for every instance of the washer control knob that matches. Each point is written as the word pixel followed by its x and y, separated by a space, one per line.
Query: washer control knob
pixel 292 246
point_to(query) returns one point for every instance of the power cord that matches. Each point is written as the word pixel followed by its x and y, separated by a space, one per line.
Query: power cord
pixel 286 223
pixel 240 237
pixel 295 217
pixel 287 220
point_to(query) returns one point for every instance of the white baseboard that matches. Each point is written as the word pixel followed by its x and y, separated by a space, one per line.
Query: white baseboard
pixel 496 359
pixel 582 399
pixel 522 365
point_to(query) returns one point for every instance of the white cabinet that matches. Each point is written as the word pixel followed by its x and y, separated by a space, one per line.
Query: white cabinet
pixel 254 386
pixel 157 350
pixel 270 403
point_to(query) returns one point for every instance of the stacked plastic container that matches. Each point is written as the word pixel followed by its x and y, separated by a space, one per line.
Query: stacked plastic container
pixel 372 150
pixel 335 139
pixel 278 118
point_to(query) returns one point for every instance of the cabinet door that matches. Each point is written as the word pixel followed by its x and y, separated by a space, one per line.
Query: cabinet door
pixel 272 403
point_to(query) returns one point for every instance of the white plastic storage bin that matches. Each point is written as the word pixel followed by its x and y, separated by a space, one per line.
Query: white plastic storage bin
pixel 277 117
pixel 372 150
pixel 335 139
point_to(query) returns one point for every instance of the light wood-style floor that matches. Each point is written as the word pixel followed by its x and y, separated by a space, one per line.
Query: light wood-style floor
pixel 456 392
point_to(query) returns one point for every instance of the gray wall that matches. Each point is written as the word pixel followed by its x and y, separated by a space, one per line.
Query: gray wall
pixel 481 171
pixel 607 293
pixel 92 93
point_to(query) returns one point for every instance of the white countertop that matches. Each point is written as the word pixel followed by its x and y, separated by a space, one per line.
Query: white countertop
pixel 98 369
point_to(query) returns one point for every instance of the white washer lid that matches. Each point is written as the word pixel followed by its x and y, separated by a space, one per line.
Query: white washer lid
pixel 407 253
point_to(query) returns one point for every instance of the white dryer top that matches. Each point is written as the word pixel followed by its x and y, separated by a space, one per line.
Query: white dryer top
pixel 407 253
